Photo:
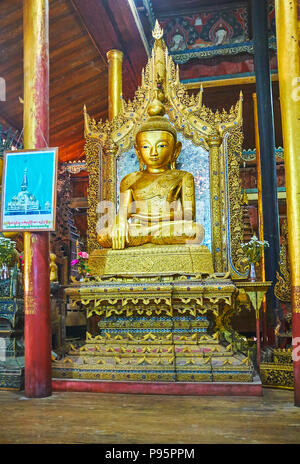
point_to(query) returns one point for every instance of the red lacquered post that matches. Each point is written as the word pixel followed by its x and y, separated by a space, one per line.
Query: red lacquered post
pixel 36 244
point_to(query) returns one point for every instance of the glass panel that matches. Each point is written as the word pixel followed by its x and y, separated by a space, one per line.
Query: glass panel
pixel 126 163
pixel 192 159
pixel 196 161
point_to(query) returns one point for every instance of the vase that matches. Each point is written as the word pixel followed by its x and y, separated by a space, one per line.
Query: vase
pixel 252 272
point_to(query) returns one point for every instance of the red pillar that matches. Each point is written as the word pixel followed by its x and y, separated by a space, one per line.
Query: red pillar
pixel 258 342
pixel 36 245
pixel 296 355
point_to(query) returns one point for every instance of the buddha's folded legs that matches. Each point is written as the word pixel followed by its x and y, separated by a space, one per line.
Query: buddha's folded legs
pixel 176 232
pixel 163 233
pixel 138 237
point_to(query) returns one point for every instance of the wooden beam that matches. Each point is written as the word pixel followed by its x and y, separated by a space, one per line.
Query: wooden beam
pixel 225 82
pixel 111 25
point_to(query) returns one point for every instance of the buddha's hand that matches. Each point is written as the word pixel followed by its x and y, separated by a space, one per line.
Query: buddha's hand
pixel 119 235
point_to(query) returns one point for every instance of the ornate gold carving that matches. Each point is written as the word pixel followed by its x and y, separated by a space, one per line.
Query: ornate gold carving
pixel 277 375
pixel 239 262
pixel 282 288
pixel 166 348
pixel 186 300
pixel 146 260
pixel 93 152
pixel 157 32
pixel 282 355
pixel 296 299
pixel 214 142
pixel 195 121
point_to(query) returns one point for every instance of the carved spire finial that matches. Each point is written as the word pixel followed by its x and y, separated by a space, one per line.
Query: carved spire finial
pixel 157 32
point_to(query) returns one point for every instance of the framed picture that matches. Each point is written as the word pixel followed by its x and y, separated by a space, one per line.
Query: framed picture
pixel 29 190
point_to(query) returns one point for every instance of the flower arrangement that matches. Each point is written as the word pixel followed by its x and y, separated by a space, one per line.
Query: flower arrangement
pixel 253 249
pixel 7 252
pixel 81 263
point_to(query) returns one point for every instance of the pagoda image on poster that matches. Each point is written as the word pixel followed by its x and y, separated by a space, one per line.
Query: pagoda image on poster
pixel 28 190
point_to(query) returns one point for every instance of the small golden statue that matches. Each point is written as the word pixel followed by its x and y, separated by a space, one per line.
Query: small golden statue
pixel 158 200
pixel 53 268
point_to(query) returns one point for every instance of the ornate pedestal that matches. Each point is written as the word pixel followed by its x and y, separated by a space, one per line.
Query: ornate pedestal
pixel 277 371
pixel 150 260
pixel 156 330
pixel 11 336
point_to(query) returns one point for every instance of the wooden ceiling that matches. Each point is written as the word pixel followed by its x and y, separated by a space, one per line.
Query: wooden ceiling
pixel 81 33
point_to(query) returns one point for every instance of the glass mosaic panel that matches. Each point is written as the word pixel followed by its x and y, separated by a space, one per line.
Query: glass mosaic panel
pixel 192 159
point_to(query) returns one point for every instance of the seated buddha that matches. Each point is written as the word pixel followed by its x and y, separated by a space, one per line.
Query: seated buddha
pixel 157 203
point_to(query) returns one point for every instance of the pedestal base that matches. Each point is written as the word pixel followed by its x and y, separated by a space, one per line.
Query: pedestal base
pixel 12 379
pixel 162 388
pixel 152 260
pixel 161 331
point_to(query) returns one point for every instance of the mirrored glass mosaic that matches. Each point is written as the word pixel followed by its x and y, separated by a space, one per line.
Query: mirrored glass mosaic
pixel 196 161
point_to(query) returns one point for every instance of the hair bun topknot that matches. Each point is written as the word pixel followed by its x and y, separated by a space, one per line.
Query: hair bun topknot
pixel 156 120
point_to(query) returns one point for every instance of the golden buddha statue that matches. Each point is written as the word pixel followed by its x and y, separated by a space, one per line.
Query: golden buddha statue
pixel 157 203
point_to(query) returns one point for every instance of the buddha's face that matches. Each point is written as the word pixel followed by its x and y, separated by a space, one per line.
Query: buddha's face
pixel 157 149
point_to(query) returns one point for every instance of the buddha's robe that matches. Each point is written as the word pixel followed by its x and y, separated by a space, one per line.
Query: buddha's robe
pixel 160 209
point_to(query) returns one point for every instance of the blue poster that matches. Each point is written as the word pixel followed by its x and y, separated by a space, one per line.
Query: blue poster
pixel 28 195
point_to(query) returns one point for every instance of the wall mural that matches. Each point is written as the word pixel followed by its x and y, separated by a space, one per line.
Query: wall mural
pixel 206 29
pixel 211 33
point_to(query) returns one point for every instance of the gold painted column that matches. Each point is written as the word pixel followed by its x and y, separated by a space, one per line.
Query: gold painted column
pixel 214 142
pixel 289 73
pixel 114 58
pixel 37 325
pixel 108 161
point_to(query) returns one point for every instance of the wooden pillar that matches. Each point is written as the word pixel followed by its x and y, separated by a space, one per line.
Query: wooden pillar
pixel 267 143
pixel 36 244
pixel 289 73
pixel 260 213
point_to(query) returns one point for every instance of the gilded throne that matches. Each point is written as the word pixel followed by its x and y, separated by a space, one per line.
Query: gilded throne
pixel 162 286
pixel 211 146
